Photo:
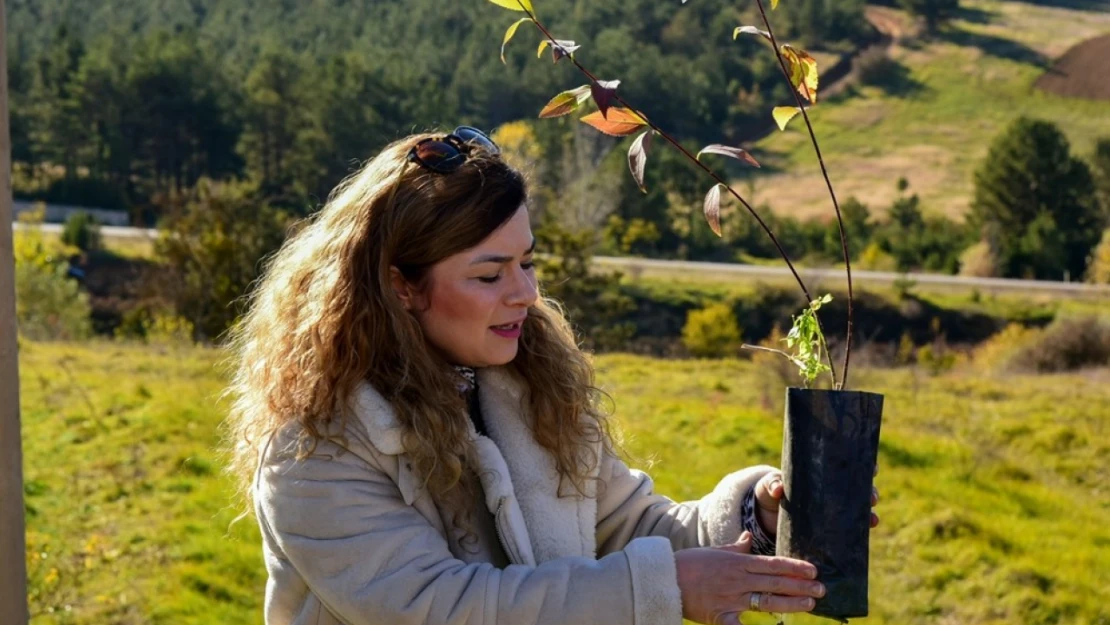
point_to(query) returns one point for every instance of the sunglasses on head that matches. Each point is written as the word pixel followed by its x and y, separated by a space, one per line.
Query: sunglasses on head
pixel 445 155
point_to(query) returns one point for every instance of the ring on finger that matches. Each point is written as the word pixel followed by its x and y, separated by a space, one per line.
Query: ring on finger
pixel 756 599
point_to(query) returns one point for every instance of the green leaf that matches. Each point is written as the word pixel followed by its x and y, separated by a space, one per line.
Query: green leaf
pixel 783 115
pixel 725 150
pixel 637 158
pixel 509 34
pixel 515 5
pixel 712 209
pixel 566 102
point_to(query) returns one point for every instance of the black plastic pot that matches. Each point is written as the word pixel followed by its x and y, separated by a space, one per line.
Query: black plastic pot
pixel 829 449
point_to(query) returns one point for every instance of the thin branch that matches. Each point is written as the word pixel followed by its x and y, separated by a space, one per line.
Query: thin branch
pixel 712 174
pixel 832 194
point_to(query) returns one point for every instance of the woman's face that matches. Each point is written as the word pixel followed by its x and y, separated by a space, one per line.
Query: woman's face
pixel 474 303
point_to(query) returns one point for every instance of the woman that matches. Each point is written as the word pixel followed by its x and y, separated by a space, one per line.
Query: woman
pixel 422 437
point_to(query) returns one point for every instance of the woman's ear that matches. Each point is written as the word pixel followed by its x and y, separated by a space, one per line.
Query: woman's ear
pixel 404 290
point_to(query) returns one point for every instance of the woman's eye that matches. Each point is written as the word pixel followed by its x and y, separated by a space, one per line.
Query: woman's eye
pixel 528 265
pixel 490 279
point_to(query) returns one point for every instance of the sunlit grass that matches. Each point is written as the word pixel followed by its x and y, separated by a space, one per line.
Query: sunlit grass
pixel 995 503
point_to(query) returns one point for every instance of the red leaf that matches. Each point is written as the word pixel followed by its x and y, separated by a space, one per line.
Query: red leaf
pixel 621 122
pixel 637 158
pixel 603 92
pixel 712 209
pixel 724 150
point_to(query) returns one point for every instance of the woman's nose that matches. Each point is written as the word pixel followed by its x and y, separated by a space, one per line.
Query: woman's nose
pixel 523 291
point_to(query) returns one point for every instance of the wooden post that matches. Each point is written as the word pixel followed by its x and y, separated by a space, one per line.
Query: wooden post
pixel 13 571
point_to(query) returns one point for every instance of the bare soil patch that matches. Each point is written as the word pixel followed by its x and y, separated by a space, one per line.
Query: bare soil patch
pixel 1082 72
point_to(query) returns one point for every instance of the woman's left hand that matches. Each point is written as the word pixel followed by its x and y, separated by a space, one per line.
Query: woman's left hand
pixel 769 491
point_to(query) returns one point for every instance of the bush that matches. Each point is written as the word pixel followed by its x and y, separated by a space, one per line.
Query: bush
pixel 82 231
pixel 978 261
pixel 49 305
pixel 1066 345
pixel 1099 269
pixel 711 332
pixel 997 351
pixel 212 249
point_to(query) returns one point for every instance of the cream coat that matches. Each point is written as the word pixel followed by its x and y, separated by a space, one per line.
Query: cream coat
pixel 349 536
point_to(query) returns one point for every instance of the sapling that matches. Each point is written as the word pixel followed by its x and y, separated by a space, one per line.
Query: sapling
pixel 831 438
pixel 800 70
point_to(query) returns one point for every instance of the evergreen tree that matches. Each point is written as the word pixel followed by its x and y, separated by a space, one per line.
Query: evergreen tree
pixel 1035 203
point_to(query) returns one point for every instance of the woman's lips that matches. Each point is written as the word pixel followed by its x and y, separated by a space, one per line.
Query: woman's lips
pixel 509 330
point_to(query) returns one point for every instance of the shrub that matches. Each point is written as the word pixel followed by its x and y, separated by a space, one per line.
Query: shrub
pixel 711 332
pixel 997 351
pixel 212 249
pixel 82 231
pixel 978 261
pixel 49 305
pixel 1066 345
pixel 1099 269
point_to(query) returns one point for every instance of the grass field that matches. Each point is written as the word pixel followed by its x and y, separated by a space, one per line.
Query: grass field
pixel 996 493
pixel 933 125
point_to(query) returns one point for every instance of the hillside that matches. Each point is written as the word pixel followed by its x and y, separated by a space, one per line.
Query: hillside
pixel 995 500
pixel 949 96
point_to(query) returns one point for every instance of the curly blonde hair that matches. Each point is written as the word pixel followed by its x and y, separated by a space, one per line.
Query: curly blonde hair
pixel 324 319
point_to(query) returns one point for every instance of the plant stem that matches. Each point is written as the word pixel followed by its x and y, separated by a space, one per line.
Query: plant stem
pixel 832 194
pixel 712 174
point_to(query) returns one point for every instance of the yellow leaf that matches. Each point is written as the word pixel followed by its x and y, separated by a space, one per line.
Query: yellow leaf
pixel 515 5
pixel 783 115
pixel 774 4
pixel 543 46
pixel 803 71
pixel 509 34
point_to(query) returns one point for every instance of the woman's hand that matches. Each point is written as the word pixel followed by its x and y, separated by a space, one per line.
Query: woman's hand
pixel 769 491
pixel 717 583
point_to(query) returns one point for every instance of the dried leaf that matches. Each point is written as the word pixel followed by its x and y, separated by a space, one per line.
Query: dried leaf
pixel 515 5
pixel 603 92
pixel 712 209
pixel 566 102
pixel 637 158
pixel 750 30
pixel 561 48
pixel 509 34
pixel 783 115
pixel 725 150
pixel 803 71
pixel 539 50
pixel 620 122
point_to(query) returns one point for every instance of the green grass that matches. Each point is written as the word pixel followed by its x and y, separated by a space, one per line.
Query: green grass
pixel 961 89
pixel 995 505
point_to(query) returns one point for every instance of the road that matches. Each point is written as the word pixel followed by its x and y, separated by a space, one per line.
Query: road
pixel 728 272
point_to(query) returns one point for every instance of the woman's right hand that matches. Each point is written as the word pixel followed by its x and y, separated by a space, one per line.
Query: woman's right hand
pixel 717 583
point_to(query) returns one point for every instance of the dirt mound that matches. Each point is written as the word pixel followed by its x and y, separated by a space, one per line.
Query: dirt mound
pixel 1083 71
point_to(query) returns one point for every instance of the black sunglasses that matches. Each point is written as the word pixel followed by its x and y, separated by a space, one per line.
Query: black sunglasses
pixel 445 155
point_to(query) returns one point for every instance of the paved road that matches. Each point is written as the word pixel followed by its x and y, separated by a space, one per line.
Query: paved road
pixel 736 271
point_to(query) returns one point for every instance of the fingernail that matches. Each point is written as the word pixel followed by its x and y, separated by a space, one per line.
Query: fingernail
pixel 745 535
pixel 810 604
pixel 819 590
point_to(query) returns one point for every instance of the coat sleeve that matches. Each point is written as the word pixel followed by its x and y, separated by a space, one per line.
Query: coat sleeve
pixel 340 522
pixel 627 509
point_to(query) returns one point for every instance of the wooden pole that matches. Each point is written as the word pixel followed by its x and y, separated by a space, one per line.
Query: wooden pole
pixel 13 570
